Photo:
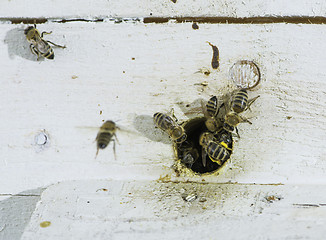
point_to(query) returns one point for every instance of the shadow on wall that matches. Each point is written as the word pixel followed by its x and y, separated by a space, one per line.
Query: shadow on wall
pixel 18 44
pixel 193 109
pixel 144 124
pixel 16 211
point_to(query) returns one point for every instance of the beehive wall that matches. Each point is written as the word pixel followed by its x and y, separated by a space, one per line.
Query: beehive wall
pixel 123 69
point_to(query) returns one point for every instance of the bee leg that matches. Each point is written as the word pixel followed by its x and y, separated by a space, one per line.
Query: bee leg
pixel 115 155
pixel 56 44
pixel 251 102
pixel 245 120
pixel 116 138
pixel 45 33
pixel 172 114
pixel 236 130
pixel 96 152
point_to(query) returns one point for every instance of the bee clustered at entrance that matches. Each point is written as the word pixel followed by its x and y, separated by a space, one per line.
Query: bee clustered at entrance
pixel 194 128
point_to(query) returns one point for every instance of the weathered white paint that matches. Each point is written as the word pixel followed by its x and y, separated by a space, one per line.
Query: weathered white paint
pixel 101 209
pixel 96 72
pixel 16 211
pixel 46 95
pixel 146 8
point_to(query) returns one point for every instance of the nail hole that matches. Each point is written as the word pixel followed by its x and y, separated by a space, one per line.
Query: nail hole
pixel 41 138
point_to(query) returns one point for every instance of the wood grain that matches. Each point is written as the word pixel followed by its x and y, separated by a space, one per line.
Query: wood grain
pixel 155 210
pixel 130 71
pixel 86 9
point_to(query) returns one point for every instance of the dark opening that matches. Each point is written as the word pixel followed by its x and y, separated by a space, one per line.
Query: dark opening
pixel 194 128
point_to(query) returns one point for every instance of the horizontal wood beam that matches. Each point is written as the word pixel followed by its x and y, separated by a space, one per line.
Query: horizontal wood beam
pixel 211 20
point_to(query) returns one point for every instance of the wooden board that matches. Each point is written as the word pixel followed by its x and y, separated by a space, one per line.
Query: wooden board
pixel 284 144
pixel 126 72
pixel 87 9
pixel 151 210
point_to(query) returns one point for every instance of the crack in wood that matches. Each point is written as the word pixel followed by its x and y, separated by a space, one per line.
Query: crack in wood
pixel 309 205
pixel 244 20
pixel 19 195
pixel 220 183
pixel 58 20
pixel 159 20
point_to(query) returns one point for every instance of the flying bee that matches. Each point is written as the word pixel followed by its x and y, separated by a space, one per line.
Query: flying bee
pixel 168 123
pixel 38 45
pixel 216 151
pixel 236 104
pixel 210 111
pixel 106 134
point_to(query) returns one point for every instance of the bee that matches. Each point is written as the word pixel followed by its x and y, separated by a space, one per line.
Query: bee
pixel 105 135
pixel 236 104
pixel 216 151
pixel 38 45
pixel 189 155
pixel 210 111
pixel 168 123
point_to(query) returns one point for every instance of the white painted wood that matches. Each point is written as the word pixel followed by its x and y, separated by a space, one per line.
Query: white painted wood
pixel 46 95
pixel 16 211
pixel 101 209
pixel 96 72
pixel 149 8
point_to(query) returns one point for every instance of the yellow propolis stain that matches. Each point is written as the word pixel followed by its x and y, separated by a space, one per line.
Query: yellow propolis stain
pixel 165 178
pixel 45 224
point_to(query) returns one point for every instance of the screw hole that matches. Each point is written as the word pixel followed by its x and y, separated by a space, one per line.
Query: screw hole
pixel 41 138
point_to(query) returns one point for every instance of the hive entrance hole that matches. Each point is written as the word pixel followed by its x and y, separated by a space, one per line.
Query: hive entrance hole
pixel 194 128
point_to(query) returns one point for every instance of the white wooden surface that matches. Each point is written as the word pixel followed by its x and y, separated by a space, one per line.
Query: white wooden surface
pixel 150 8
pixel 96 72
pixel 153 210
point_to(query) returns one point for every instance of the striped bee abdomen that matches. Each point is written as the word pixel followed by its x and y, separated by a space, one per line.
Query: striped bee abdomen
pixel 103 139
pixel 217 153
pixel 49 54
pixel 211 106
pixel 45 49
pixel 163 121
pixel 239 101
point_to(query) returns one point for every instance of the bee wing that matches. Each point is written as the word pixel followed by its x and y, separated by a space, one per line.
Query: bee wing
pixel 169 122
pixel 227 102
pixel 192 111
pixel 203 156
pixel 204 109
pixel 125 130
pixel 42 46
pixel 88 128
